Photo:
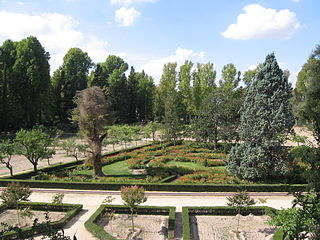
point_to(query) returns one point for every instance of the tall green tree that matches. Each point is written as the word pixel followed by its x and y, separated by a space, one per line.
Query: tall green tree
pixel 185 89
pixel 167 86
pixel 308 87
pixel 145 96
pixel 203 83
pixel 10 114
pixel 230 78
pixel 266 115
pixel 71 77
pixel 132 96
pixel 218 118
pixel 249 75
pixel 31 81
pixel 110 76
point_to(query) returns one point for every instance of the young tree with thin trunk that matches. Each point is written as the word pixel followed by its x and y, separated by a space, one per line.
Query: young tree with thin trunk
pixel 92 116
pixel 132 196
pixel 34 145
pixel 7 150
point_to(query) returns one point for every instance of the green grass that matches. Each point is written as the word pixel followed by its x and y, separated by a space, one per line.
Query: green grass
pixel 186 164
pixel 117 168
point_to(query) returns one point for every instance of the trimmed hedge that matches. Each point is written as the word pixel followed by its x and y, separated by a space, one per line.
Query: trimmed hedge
pixel 100 233
pixel 220 211
pixel 71 209
pixel 160 186
pixel 68 165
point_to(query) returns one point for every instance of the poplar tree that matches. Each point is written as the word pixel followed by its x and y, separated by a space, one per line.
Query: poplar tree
pixel 266 116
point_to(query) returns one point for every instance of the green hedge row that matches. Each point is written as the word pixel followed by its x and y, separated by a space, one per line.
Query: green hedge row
pixel 70 209
pixel 100 233
pixel 63 166
pixel 222 211
pixel 160 186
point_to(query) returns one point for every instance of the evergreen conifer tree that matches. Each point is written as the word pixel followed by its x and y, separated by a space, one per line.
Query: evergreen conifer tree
pixel 265 117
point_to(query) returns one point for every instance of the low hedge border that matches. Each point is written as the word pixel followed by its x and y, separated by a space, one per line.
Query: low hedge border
pixel 70 209
pixel 100 233
pixel 220 211
pixel 160 186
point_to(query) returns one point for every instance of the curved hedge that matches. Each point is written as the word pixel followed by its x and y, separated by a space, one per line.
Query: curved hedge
pixel 100 233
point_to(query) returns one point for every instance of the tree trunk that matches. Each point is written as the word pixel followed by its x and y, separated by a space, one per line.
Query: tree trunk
pixel 35 169
pixel 11 170
pixel 132 220
pixel 97 165
pixel 96 148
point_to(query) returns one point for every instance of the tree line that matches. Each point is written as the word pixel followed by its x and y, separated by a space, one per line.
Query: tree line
pixel 30 96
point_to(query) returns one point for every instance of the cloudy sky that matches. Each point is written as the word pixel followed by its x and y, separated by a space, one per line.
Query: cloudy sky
pixel 149 33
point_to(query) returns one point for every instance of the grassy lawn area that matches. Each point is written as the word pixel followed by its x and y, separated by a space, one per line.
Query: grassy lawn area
pixel 187 165
pixel 117 168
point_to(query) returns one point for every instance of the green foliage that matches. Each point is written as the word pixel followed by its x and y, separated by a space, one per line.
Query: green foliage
pixel 31 83
pixel 132 197
pixel 310 90
pixel 7 150
pixel 57 198
pixel 240 200
pixel 151 128
pixel 68 79
pixel 172 122
pixel 13 195
pixel 265 116
pixel 48 229
pixel 300 222
pixel 230 77
pixel 185 88
pixel 34 145
pixel 306 164
pixel 203 83
pixel 218 117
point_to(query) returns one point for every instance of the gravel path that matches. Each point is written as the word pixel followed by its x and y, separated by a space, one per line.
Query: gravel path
pixel 91 200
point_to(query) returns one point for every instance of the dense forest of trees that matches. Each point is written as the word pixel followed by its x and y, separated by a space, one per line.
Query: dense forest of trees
pixel 188 94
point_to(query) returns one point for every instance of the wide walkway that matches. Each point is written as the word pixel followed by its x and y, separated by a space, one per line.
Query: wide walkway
pixel 91 200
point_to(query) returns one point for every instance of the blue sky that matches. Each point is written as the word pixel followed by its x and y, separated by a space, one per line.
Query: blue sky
pixel 149 33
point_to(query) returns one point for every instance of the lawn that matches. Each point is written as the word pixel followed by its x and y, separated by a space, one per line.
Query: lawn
pixel 187 165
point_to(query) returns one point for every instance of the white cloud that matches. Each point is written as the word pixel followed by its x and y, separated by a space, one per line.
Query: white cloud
pixel 126 16
pixel 130 2
pixel 251 67
pixel 155 66
pixel 259 22
pixel 56 32
pixel 20 3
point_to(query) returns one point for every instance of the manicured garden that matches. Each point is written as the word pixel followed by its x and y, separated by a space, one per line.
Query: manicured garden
pixel 182 162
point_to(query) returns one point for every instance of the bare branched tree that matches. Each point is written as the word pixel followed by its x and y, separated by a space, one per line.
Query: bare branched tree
pixel 92 115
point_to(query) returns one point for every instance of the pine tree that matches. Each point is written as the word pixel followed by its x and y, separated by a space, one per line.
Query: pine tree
pixel 265 117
